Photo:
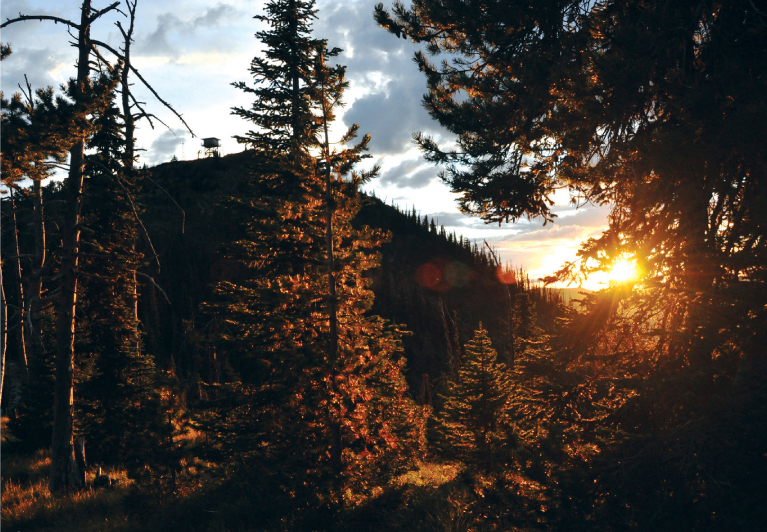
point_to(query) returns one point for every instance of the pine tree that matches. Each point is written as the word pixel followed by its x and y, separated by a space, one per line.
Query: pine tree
pixel 313 367
pixel 124 416
pixel 282 105
pixel 525 316
pixel 471 426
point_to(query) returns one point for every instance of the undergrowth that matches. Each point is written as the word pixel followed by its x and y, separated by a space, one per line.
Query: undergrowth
pixel 223 498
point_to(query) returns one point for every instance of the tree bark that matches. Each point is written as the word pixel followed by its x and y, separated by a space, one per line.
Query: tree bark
pixel 3 334
pixel 21 343
pixel 35 278
pixel 63 463
pixel 336 444
pixel 129 154
pixel 294 76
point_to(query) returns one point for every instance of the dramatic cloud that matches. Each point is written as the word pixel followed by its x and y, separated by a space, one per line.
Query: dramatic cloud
pixel 367 47
pixel 543 250
pixel 391 117
pixel 387 86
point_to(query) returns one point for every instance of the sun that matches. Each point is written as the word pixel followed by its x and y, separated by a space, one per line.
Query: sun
pixel 623 270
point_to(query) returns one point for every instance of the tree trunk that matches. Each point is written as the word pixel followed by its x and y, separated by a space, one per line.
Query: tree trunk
pixel 129 154
pixel 294 76
pixel 63 462
pixel 35 278
pixel 21 343
pixel 336 444
pixel 3 334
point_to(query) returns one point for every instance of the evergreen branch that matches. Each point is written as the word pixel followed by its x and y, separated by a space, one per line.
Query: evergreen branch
pixel 138 219
pixel 133 206
pixel 758 11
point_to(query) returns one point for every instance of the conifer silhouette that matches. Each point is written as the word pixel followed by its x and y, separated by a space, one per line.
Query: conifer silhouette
pixel 471 425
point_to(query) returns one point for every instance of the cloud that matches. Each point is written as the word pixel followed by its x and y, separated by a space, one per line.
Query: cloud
pixel 214 17
pixel 543 250
pixel 411 173
pixel 164 147
pixel 388 85
pixel 157 43
pixel 392 115
pixel 450 219
pixel 367 47
pixel 41 67
pixel 37 46
pixel 172 34
pixel 587 216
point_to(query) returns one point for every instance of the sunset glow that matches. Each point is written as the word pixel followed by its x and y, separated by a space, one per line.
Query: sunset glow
pixel 623 270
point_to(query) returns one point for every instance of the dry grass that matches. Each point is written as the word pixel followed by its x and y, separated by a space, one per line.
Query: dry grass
pixel 429 474
pixel 28 505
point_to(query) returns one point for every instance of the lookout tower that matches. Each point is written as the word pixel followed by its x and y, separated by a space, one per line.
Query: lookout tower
pixel 211 145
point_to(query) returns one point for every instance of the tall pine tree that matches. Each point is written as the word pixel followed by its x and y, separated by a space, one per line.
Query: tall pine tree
pixel 321 393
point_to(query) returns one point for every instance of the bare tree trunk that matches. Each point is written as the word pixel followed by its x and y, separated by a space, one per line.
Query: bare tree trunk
pixel 35 278
pixel 3 334
pixel 452 351
pixel 21 343
pixel 129 154
pixel 63 463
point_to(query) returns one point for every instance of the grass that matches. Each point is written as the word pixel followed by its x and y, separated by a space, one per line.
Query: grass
pixel 28 505
pixel 429 474
pixel 216 498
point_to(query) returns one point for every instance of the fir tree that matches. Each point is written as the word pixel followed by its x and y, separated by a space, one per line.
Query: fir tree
pixel 471 425
pixel 321 393
pixel 124 416
pixel 525 316
pixel 282 105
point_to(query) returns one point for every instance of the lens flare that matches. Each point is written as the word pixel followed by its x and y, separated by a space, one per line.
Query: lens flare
pixel 623 270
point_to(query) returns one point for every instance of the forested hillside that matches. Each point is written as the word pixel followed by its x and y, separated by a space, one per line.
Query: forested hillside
pixel 251 342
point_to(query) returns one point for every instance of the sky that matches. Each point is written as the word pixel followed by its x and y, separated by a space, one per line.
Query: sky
pixel 192 51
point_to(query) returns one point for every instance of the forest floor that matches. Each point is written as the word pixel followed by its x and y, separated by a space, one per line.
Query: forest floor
pixel 435 497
